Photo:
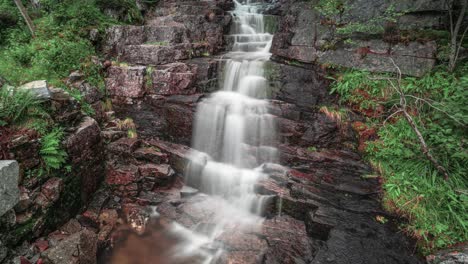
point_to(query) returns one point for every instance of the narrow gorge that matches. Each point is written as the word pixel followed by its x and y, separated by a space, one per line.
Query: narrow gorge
pixel 218 137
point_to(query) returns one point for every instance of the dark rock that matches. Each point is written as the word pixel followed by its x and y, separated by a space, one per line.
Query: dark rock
pixel 151 155
pixel 124 146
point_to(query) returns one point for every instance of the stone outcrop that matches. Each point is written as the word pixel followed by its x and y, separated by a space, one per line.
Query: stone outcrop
pixel 307 36
pixel 9 192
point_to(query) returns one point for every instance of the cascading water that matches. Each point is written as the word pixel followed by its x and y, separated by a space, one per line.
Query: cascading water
pixel 234 135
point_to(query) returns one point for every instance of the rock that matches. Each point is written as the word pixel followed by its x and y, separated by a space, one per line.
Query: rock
pixel 78 248
pixel 9 191
pixel 126 82
pixel 75 77
pixel 86 152
pixel 71 227
pixel 305 38
pixel 124 146
pixel 52 189
pixel 413 58
pixel 151 155
pixel 39 89
pixel 3 251
pixel 174 78
pixel 454 255
pixel 188 191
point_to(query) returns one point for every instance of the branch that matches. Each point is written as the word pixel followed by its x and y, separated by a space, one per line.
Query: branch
pixel 409 118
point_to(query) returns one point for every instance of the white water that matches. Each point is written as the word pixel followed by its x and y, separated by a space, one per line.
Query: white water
pixel 233 136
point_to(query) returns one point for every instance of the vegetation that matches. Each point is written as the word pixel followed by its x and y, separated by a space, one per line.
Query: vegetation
pixel 435 208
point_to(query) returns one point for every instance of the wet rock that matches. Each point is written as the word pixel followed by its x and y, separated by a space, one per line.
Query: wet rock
pixel 178 154
pixel 9 192
pixel 126 82
pixel 39 89
pixel 80 247
pixel 188 191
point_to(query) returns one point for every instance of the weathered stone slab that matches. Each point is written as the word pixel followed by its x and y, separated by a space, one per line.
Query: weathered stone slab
pixel 40 89
pixel 9 191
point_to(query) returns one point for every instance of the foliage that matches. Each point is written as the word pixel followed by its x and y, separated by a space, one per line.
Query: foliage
pixel 435 209
pixel 18 106
pixel 52 154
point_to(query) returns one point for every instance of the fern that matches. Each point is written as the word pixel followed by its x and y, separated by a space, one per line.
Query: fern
pixel 18 106
pixel 53 156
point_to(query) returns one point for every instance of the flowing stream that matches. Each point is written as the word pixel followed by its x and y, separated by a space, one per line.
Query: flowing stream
pixel 233 135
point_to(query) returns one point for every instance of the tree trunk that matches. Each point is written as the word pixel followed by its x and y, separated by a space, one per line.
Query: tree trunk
pixel 25 15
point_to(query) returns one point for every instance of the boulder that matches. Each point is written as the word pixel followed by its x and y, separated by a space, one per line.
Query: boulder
pixel 9 191
pixel 39 89
pixel 78 248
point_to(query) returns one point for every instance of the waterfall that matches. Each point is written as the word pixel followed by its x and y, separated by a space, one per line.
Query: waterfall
pixel 234 133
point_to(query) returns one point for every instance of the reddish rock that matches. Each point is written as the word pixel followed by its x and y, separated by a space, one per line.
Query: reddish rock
pixel 127 82
pixel 24 260
pixel 150 154
pixel 174 78
pixel 41 245
pixel 52 189
pixel 122 176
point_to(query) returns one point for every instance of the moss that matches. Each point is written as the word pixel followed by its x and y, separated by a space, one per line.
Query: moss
pixel 271 24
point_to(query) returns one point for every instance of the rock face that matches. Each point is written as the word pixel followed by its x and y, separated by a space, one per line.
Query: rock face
pixel 9 192
pixel 305 36
pixel 173 31
pixel 85 147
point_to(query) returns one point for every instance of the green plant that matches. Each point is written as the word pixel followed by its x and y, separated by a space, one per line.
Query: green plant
pixel 18 106
pixel 52 154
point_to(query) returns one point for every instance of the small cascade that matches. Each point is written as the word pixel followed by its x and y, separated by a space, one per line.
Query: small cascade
pixel 233 135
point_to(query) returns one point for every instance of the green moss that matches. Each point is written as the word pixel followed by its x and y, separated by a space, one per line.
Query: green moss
pixel 271 23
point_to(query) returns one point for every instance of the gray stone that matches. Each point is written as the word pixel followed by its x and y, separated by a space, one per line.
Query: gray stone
pixel 78 248
pixel 9 191
pixel 38 88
